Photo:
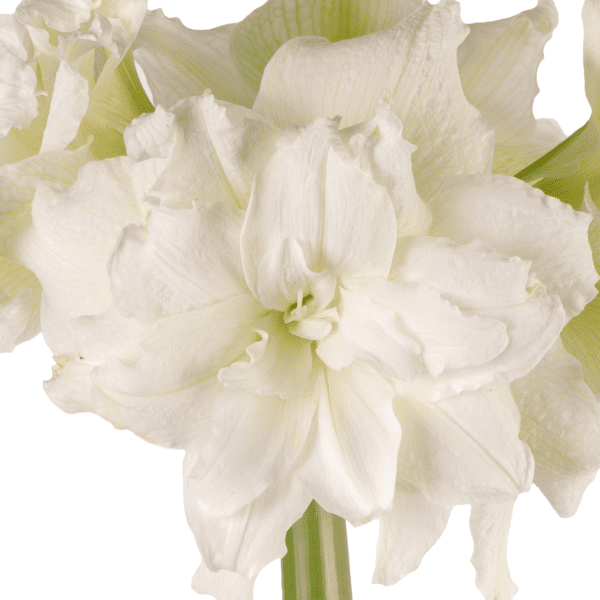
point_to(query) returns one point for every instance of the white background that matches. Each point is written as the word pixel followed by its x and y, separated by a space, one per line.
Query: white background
pixel 91 513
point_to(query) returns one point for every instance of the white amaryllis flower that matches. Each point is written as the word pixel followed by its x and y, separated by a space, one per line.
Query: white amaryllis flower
pixel 313 307
pixel 63 102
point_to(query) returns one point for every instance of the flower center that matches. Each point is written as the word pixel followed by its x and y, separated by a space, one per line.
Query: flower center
pixel 307 320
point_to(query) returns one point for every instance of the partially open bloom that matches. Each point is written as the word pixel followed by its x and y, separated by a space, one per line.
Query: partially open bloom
pixel 63 101
pixel 329 295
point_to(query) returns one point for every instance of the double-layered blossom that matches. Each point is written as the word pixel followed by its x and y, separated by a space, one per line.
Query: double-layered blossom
pixel 338 294
pixel 64 100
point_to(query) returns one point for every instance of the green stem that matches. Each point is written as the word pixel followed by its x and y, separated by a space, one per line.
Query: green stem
pixel 317 565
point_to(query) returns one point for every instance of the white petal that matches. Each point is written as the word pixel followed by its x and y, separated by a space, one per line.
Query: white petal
pixel 183 349
pixel 468 276
pixel 150 135
pixel 518 220
pixel 61 15
pixel 391 166
pixel 180 62
pixel 255 441
pixel 498 63
pixel 279 364
pixel 252 537
pixel 367 332
pixel 283 272
pixel 19 305
pixel 413 63
pixel 182 260
pixel 70 386
pixel 216 151
pixel 560 421
pixel 350 462
pixel 222 585
pixel 490 524
pixel 310 190
pixel 18 82
pixel 257 37
pixel 68 106
pixel 450 339
pixel 464 449
pixel 73 234
pixel 406 534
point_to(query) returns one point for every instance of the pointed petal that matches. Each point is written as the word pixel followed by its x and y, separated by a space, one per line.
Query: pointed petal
pixel 406 534
pixel 450 339
pixel 490 524
pixel 518 220
pixel 498 63
pixel 413 63
pixel 367 332
pixel 280 363
pixel 255 441
pixel 464 449
pixel 350 462
pixel 310 190
pixel 249 539
pixel 216 150
pixel 69 104
pixel 468 276
pixel 223 584
pixel 182 260
pixel 18 82
pixel 260 34
pixel 561 424
pixel 180 62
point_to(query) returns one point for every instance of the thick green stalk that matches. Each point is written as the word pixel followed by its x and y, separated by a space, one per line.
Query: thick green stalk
pixel 317 565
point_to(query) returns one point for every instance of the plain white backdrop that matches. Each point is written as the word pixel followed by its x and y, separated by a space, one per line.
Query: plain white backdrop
pixel 91 513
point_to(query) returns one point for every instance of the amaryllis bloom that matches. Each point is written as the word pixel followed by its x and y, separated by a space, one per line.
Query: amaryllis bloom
pixel 329 296
pixel 64 101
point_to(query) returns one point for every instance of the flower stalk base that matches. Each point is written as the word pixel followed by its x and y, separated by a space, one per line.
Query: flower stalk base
pixel 316 566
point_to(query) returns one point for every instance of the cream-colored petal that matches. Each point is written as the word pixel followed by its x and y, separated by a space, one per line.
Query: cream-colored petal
pixel 464 449
pixel 498 64
pixel 181 260
pixel 18 83
pixel 406 534
pixel 518 220
pixel 413 64
pixel 255 442
pixel 179 62
pixel 349 466
pixel 252 537
pixel 490 524
pixel 70 98
pixel 62 15
pixel 260 34
pixel 20 294
pixel 150 135
pixel 560 421
pixel 223 584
